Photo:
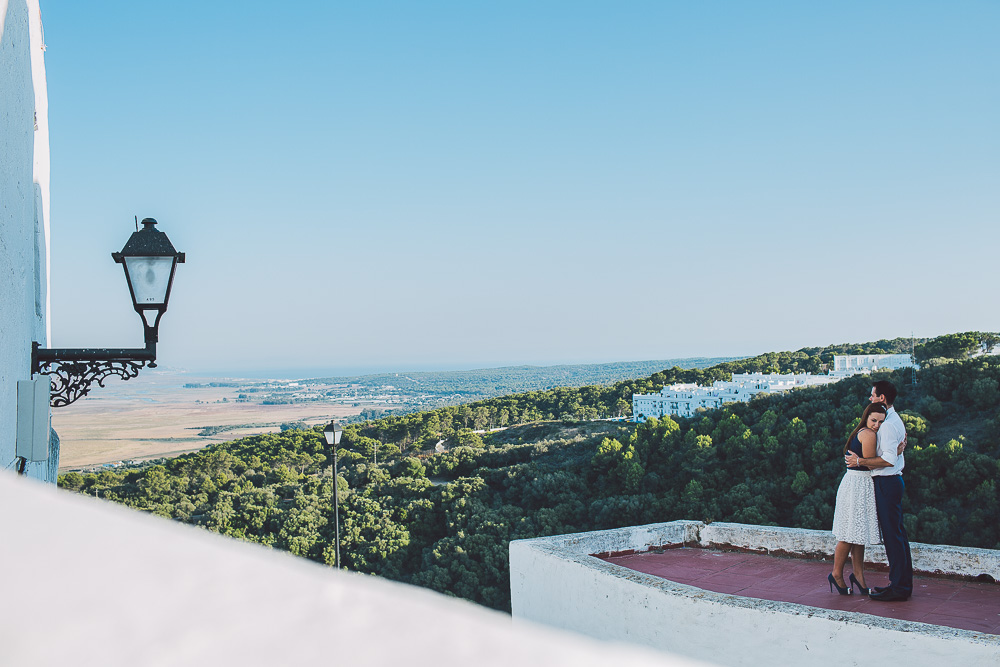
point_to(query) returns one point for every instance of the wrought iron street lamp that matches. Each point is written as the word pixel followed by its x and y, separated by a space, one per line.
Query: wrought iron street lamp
pixel 149 261
pixel 332 433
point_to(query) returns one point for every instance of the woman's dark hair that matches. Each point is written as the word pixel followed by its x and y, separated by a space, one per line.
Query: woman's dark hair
pixel 872 407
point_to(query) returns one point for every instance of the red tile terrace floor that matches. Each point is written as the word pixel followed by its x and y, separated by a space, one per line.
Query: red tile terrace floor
pixel 945 601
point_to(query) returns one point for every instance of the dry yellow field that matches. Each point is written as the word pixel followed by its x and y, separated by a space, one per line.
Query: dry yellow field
pixel 153 415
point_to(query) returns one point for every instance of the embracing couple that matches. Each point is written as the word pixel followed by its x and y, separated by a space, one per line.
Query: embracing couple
pixel 869 501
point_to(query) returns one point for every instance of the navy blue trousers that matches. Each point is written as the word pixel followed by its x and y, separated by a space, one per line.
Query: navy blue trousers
pixel 889 506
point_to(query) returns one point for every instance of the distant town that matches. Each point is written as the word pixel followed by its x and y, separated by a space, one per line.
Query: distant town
pixel 284 392
pixel 684 400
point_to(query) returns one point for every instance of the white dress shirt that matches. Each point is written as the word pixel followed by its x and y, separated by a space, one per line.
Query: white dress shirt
pixel 889 435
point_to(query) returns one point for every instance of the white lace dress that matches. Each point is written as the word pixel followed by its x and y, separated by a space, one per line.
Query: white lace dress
pixel 855 519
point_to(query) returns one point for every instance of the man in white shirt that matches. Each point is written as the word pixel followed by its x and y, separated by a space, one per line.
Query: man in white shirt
pixel 887 466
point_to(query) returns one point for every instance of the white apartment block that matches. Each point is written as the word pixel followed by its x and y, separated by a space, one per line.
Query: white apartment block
pixel 684 400
pixel 854 364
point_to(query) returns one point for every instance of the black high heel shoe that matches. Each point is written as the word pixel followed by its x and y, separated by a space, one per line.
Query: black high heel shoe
pixel 861 589
pixel 843 590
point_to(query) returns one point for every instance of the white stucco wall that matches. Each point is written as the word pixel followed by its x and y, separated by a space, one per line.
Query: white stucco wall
pixel 556 580
pixel 24 208
pixel 126 588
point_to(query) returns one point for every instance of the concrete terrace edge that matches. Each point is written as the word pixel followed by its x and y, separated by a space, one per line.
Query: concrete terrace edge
pixel 557 580
pixel 927 558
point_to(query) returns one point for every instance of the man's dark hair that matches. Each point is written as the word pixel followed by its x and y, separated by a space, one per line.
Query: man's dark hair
pixel 887 389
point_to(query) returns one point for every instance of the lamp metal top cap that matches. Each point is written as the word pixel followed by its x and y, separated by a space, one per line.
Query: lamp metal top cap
pixel 148 242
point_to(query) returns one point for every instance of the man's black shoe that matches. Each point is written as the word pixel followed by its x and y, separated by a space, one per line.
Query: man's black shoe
pixel 879 589
pixel 888 595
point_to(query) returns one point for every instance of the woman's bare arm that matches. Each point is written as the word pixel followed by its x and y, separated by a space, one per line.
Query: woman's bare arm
pixel 869 447
pixel 868 443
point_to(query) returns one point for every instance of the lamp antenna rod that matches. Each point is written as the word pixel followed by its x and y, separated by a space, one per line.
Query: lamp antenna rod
pixel 136 223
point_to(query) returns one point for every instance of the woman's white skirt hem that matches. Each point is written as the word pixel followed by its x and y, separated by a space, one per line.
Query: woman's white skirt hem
pixel 855 519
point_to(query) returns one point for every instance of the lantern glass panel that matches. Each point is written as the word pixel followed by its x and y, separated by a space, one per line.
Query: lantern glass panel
pixel 150 278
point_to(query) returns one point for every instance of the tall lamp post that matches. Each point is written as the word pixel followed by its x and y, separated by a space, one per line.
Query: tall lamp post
pixel 332 433
pixel 149 260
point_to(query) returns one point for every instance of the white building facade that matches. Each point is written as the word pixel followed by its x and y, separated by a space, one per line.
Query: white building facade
pixel 684 400
pixel 854 364
pixel 24 218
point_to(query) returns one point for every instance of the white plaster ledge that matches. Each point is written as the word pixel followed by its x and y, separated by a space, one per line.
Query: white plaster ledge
pixel 93 583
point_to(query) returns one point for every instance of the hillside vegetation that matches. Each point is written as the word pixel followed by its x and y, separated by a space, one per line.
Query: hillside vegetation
pixel 444 520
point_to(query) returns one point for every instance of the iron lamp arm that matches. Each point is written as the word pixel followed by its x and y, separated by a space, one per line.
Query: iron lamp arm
pixel 75 370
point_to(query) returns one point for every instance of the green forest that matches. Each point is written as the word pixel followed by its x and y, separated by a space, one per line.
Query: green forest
pixel 443 520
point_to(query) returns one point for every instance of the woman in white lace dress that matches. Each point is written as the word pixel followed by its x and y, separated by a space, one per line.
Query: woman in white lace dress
pixel 855 523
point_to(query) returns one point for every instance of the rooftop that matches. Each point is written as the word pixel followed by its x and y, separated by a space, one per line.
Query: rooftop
pixel 739 595
pixel 951 602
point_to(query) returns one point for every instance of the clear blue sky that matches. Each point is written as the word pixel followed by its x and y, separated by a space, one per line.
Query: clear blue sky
pixel 445 184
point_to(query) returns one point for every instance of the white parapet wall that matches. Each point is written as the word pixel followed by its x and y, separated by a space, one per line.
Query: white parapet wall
pixel 558 581
pixel 94 583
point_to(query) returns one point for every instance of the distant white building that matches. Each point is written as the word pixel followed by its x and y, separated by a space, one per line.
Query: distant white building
pixel 683 400
pixel 855 364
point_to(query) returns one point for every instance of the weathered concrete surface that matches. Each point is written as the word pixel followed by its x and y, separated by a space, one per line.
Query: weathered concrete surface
pixel 554 580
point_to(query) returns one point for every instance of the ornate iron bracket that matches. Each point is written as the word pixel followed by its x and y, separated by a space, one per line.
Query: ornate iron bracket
pixel 73 371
